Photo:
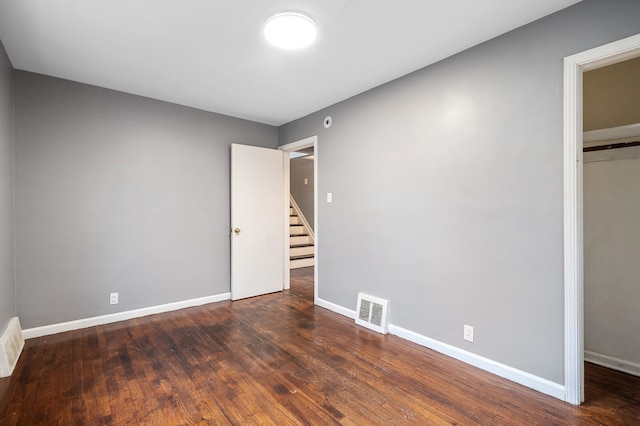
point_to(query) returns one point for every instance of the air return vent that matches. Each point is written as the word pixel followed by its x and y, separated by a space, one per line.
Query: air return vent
pixel 373 313
pixel 11 344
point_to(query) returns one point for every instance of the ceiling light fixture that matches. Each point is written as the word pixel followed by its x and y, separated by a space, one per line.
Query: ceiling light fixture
pixel 290 30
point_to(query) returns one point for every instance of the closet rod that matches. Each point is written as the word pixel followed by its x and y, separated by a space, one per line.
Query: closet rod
pixel 611 146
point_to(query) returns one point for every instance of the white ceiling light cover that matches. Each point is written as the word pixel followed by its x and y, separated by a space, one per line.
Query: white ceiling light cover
pixel 290 30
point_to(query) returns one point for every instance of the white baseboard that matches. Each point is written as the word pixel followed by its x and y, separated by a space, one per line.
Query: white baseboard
pixel 518 376
pixel 613 363
pixel 336 308
pixel 46 330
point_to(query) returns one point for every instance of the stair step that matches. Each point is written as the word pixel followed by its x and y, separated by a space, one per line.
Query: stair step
pixel 294 220
pixel 302 256
pixel 301 263
pixel 300 239
pixel 301 250
pixel 297 230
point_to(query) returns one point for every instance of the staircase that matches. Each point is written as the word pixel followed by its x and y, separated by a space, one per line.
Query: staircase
pixel 300 239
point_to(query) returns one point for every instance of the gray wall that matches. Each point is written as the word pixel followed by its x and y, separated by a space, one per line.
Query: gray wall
pixel 300 169
pixel 118 193
pixel 611 253
pixel 447 190
pixel 7 283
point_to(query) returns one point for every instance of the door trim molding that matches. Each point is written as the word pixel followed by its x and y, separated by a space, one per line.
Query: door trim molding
pixel 311 141
pixel 574 66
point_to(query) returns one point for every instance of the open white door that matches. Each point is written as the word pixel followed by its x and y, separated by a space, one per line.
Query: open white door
pixel 257 221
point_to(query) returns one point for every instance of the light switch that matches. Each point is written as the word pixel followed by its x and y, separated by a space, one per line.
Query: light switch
pixel 329 197
pixel 306 181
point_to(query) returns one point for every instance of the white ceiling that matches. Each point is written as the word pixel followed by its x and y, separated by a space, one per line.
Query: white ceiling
pixel 210 54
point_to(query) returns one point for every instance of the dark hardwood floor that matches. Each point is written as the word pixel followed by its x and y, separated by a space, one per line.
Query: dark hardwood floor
pixel 302 283
pixel 276 359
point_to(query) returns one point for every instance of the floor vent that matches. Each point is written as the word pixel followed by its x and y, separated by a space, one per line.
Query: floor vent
pixel 11 344
pixel 373 313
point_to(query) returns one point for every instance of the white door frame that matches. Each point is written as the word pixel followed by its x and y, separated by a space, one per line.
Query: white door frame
pixel 290 147
pixel 574 66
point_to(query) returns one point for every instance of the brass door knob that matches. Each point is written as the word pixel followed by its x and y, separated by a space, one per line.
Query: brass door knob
pixel 236 230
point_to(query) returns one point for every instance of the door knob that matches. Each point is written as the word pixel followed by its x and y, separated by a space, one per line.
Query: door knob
pixel 236 230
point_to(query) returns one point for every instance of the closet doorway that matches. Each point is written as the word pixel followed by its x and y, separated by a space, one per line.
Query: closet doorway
pixel 611 184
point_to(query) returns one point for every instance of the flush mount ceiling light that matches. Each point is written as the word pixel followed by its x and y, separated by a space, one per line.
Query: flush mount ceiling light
pixel 290 30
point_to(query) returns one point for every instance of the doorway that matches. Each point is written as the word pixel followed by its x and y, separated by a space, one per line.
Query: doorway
pixel 611 183
pixel 574 67
pixel 302 234
pixel 302 167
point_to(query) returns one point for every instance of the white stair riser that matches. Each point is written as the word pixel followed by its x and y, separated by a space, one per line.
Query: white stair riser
pixel 301 263
pixel 295 220
pixel 299 251
pixel 300 240
pixel 296 229
pixel 290 211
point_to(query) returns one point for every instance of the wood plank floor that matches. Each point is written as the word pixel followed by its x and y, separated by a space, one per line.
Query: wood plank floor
pixel 276 359
pixel 302 283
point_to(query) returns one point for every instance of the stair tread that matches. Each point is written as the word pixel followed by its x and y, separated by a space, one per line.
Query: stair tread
pixel 302 256
pixel 298 235
pixel 301 245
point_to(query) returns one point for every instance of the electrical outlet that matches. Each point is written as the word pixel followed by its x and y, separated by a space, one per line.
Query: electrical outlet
pixel 113 299
pixel 468 333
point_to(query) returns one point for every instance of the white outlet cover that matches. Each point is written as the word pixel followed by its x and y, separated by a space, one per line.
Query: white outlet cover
pixel 113 299
pixel 468 333
pixel 329 197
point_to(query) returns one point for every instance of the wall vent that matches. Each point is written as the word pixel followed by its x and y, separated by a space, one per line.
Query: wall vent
pixel 373 312
pixel 11 344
